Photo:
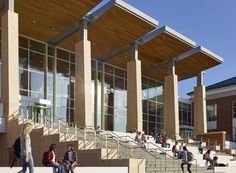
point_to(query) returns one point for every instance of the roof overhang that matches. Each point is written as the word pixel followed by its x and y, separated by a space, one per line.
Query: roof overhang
pixel 112 24
pixel 162 45
pixel 43 20
pixel 118 26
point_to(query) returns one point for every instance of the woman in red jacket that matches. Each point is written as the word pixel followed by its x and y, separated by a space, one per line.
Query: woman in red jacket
pixel 52 162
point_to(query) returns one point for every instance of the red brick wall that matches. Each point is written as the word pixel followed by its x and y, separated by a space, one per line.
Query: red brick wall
pixel 213 138
pixel 224 113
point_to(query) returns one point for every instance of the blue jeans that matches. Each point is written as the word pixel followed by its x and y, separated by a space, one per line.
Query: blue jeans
pixel 57 168
pixel 29 164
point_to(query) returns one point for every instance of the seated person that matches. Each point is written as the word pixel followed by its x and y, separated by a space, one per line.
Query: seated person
pixel 164 140
pixel 51 160
pixel 98 130
pixel 207 157
pixel 138 137
pixel 216 164
pixel 70 159
pixel 143 140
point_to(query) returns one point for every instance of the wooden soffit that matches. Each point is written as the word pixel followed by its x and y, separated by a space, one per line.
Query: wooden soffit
pixel 44 19
pixel 169 45
pixel 120 25
pixel 189 66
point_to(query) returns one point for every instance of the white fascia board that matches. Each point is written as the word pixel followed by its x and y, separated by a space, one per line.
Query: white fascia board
pixel 136 12
pixel 213 55
pixel 164 29
pixel 180 36
pixel 221 90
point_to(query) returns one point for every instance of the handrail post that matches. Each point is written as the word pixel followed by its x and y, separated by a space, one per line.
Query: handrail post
pixel 95 139
pixel 27 114
pixel 131 150
pixel 44 121
pixel 118 147
pixel 51 124
pixel 85 137
pixel 76 132
pixel 59 126
pixel 106 145
pixel 67 128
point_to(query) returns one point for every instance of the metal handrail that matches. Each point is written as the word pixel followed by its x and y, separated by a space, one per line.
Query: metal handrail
pixel 160 149
pixel 115 137
pixel 131 147
pixel 157 148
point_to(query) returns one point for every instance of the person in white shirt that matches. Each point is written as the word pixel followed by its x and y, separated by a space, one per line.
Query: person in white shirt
pixel 70 158
pixel 181 149
pixel 138 137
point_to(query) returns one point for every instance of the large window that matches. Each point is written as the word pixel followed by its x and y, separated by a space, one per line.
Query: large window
pixel 31 68
pixel 152 105
pixel 185 116
pixel 211 112
pixel 110 99
pixel 46 72
pixel 234 109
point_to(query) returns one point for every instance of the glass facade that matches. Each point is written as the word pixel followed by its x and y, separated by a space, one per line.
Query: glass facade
pixel 0 67
pixel 152 105
pixel 211 112
pixel 48 73
pixel 234 109
pixel 185 115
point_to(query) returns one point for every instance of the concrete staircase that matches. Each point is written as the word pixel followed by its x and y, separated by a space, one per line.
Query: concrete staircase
pixel 102 149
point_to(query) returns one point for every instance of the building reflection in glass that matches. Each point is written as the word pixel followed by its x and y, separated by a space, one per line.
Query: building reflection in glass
pixel 48 72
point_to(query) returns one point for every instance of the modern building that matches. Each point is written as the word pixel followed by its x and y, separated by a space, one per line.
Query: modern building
pixel 185 116
pixel 111 66
pixel 221 107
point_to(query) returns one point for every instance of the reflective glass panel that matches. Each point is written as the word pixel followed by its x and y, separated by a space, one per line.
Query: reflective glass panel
pixel 62 87
pixel 62 68
pixel 37 46
pixel 36 82
pixel 61 54
pixel 23 79
pixel 37 62
pixel 23 58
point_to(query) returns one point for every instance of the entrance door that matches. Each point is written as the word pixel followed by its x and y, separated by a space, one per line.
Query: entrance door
pixel 40 113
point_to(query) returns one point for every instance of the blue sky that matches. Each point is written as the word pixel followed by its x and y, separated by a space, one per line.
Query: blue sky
pixel 210 23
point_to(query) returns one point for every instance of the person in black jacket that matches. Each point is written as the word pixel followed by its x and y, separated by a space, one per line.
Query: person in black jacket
pixel 70 159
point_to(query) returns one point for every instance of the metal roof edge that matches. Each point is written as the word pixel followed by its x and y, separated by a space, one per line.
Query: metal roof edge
pixel 212 54
pixel 136 12
pixel 179 35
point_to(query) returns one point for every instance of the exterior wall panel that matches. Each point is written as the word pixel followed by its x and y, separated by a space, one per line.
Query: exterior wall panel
pixel 224 113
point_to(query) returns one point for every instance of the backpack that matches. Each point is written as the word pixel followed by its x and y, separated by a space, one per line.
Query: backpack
pixel 189 156
pixel 45 158
pixel 173 148
pixel 17 148
pixel 204 156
